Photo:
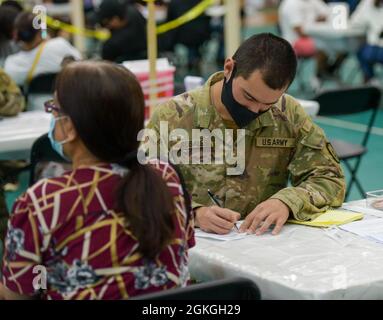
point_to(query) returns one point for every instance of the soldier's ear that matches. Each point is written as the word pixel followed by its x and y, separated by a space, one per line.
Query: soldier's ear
pixel 228 68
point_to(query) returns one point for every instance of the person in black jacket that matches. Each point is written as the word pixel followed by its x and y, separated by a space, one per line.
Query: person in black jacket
pixel 192 34
pixel 8 14
pixel 128 31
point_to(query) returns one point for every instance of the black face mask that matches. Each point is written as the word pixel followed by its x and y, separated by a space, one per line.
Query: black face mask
pixel 241 115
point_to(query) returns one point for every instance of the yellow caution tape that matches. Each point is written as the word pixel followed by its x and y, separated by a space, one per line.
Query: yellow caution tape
pixel 104 35
pixel 98 34
pixel 186 17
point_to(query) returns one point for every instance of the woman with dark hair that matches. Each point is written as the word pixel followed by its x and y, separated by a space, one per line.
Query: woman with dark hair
pixel 112 228
pixel 369 16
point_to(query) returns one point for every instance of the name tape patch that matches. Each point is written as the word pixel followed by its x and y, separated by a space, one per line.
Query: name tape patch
pixel 275 142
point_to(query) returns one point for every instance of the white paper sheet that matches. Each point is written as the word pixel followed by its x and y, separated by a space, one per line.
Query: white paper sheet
pixel 363 209
pixel 232 235
pixel 370 228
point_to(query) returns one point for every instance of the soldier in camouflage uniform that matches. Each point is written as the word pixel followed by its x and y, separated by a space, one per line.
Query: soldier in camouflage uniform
pixel 11 98
pixel 281 142
pixel 11 103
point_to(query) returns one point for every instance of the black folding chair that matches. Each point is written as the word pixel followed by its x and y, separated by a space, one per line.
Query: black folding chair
pixel 42 151
pixel 349 101
pixel 237 288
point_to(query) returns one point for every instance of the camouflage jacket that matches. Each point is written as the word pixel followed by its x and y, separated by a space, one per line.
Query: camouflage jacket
pixel 11 100
pixel 282 144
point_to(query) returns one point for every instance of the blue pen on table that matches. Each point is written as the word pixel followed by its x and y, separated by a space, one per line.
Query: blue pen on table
pixel 214 199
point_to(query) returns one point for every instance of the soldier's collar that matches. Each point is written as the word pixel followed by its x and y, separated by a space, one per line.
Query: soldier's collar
pixel 206 112
pixel 264 120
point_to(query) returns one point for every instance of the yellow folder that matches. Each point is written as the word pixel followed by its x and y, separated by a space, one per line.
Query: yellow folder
pixel 330 218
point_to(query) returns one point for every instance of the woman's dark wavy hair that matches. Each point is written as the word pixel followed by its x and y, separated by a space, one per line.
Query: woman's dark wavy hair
pixel 106 105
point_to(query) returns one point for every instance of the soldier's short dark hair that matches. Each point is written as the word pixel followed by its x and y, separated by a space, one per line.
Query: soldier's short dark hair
pixel 272 55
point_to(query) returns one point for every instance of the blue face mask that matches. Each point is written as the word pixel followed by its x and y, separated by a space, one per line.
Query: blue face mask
pixel 56 145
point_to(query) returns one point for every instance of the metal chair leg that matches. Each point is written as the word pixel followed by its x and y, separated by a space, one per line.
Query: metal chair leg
pixel 354 179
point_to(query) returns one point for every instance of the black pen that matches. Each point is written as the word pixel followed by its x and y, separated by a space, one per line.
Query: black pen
pixel 214 199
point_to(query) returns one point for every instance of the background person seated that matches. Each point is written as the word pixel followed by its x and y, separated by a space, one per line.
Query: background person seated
pixel 37 55
pixel 8 15
pixel 369 16
pixel 93 228
pixel 128 31
pixel 193 34
pixel 294 16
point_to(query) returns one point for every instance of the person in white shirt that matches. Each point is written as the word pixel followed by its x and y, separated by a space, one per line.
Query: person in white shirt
pixel 37 55
pixel 294 16
pixel 369 16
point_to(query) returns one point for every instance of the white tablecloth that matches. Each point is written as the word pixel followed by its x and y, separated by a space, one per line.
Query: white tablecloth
pixel 300 263
pixel 17 134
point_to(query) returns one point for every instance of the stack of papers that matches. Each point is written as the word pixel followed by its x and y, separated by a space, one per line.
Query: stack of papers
pixel 370 229
pixel 232 235
pixel 360 208
pixel 331 218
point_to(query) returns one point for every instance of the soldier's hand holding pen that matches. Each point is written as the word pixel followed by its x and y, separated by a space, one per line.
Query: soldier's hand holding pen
pixel 216 219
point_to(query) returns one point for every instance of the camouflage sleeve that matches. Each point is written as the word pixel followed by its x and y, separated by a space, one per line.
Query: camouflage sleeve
pixel 170 112
pixel 175 111
pixel 11 100
pixel 316 175
pixel 162 112
pixel 154 121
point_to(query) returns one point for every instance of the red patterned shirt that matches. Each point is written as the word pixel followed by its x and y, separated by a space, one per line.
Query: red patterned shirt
pixel 66 231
